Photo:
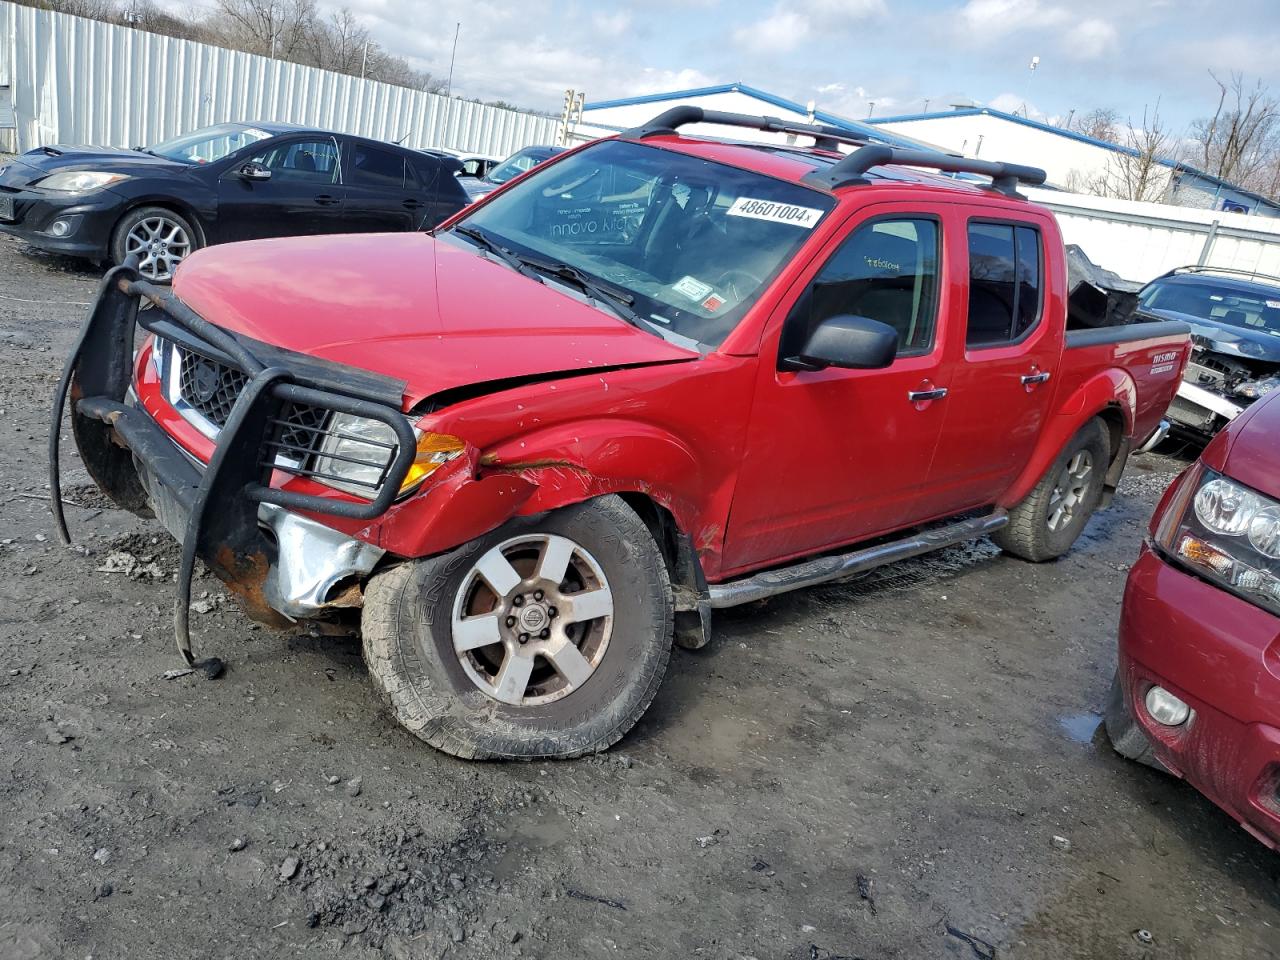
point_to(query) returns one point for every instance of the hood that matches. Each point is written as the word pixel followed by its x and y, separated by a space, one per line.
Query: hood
pixel 37 164
pixel 477 188
pixel 408 306
pixel 1253 456
pixel 1247 342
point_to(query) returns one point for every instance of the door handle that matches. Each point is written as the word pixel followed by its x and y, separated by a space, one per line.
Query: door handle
pixel 1029 378
pixel 412 204
pixel 327 200
pixel 919 396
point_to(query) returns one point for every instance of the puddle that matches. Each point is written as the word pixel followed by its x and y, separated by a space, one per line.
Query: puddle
pixel 1080 727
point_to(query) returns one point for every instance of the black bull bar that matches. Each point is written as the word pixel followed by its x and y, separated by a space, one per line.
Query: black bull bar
pixel 212 509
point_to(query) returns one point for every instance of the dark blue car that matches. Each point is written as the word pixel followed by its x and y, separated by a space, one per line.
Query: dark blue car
pixel 1235 333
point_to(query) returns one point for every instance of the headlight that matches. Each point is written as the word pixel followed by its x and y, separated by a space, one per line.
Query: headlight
pixel 1253 389
pixel 356 452
pixel 1227 533
pixel 79 181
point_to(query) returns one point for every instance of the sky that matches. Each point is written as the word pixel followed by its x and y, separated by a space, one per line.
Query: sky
pixel 848 55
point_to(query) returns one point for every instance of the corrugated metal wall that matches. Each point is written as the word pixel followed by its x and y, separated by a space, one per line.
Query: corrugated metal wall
pixel 80 81
pixel 1140 241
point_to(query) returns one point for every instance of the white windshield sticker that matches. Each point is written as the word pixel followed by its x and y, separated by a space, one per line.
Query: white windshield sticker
pixel 805 217
pixel 692 288
pixel 256 133
pixel 1273 304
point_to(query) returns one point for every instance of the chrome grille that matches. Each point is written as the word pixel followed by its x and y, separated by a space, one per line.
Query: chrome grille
pixel 209 388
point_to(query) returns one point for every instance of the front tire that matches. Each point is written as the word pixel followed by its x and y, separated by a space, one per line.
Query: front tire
pixel 1054 514
pixel 545 638
pixel 160 238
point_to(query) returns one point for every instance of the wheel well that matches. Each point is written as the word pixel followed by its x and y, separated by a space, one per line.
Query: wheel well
pixel 661 523
pixel 173 206
pixel 1113 420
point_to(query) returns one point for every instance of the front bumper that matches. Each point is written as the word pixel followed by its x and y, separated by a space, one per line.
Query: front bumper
pixel 233 513
pixel 91 219
pixel 1221 655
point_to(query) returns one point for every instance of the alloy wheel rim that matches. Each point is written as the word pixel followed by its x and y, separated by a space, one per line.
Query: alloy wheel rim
pixel 160 245
pixel 532 620
pixel 1070 491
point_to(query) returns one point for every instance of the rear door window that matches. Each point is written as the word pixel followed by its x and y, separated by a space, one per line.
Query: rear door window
pixel 372 167
pixel 1005 288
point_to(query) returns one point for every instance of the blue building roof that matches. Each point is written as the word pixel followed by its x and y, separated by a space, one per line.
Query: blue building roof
pixel 835 120
pixel 1177 166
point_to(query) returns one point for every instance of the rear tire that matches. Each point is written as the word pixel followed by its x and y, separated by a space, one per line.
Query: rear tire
pixel 1053 515
pixel 1125 733
pixel 547 637
pixel 160 238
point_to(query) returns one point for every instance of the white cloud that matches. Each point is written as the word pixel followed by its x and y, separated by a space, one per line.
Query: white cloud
pixel 790 24
pixel 780 32
pixel 840 12
pixel 611 24
pixel 1090 39
pixel 1013 103
pixel 989 19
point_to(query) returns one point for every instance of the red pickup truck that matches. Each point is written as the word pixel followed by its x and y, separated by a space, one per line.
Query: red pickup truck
pixel 655 376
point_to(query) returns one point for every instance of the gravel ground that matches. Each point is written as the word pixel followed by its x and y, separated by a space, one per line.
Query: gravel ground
pixel 904 767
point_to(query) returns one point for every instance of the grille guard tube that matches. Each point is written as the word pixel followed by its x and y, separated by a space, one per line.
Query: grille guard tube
pixel 221 526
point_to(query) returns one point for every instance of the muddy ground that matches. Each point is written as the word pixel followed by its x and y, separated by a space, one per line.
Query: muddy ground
pixel 878 770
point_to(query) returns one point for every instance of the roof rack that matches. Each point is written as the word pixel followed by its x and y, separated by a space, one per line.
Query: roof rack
pixel 825 137
pixel 1230 271
pixel 851 170
pixel 1005 177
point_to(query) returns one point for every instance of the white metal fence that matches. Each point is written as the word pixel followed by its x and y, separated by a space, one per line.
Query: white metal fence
pixel 74 80
pixel 1140 241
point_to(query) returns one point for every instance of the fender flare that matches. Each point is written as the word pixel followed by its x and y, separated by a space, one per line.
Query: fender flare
pixel 1110 394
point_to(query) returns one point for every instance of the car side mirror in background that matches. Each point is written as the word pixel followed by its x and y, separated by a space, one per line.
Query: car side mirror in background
pixel 254 171
pixel 853 343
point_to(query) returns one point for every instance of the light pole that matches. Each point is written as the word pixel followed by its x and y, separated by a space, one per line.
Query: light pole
pixel 1035 62
pixel 448 90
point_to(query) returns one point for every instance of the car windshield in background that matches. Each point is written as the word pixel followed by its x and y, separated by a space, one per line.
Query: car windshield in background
pixel 692 243
pixel 210 143
pixel 515 165
pixel 1222 304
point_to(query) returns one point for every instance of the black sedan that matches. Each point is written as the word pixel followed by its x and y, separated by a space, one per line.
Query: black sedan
pixel 233 181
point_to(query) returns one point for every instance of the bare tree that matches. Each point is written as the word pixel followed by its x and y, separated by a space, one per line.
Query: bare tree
pixel 1241 141
pixel 1099 123
pixel 1139 171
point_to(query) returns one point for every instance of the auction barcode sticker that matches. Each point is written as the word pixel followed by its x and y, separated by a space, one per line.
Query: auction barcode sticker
pixel 771 210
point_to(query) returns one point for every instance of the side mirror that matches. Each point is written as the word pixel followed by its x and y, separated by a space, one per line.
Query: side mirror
pixel 254 171
pixel 853 343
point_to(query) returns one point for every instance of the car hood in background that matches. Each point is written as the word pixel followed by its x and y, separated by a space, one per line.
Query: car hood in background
pixel 477 188
pixel 435 315
pixel 1253 456
pixel 35 165
pixel 1224 338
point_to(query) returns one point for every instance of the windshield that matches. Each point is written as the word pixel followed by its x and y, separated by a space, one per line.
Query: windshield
pixel 1219 303
pixel 692 242
pixel 209 143
pixel 515 165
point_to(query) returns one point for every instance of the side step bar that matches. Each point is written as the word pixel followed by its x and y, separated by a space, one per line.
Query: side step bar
pixel 825 569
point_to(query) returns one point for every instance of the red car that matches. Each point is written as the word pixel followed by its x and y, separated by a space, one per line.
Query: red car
pixel 1197 690
pixel 654 376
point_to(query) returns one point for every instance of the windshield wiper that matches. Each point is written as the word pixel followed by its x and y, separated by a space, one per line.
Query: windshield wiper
pixel 619 301
pixel 485 242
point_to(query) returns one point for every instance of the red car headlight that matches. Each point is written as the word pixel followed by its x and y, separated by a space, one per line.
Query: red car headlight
pixel 1227 533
